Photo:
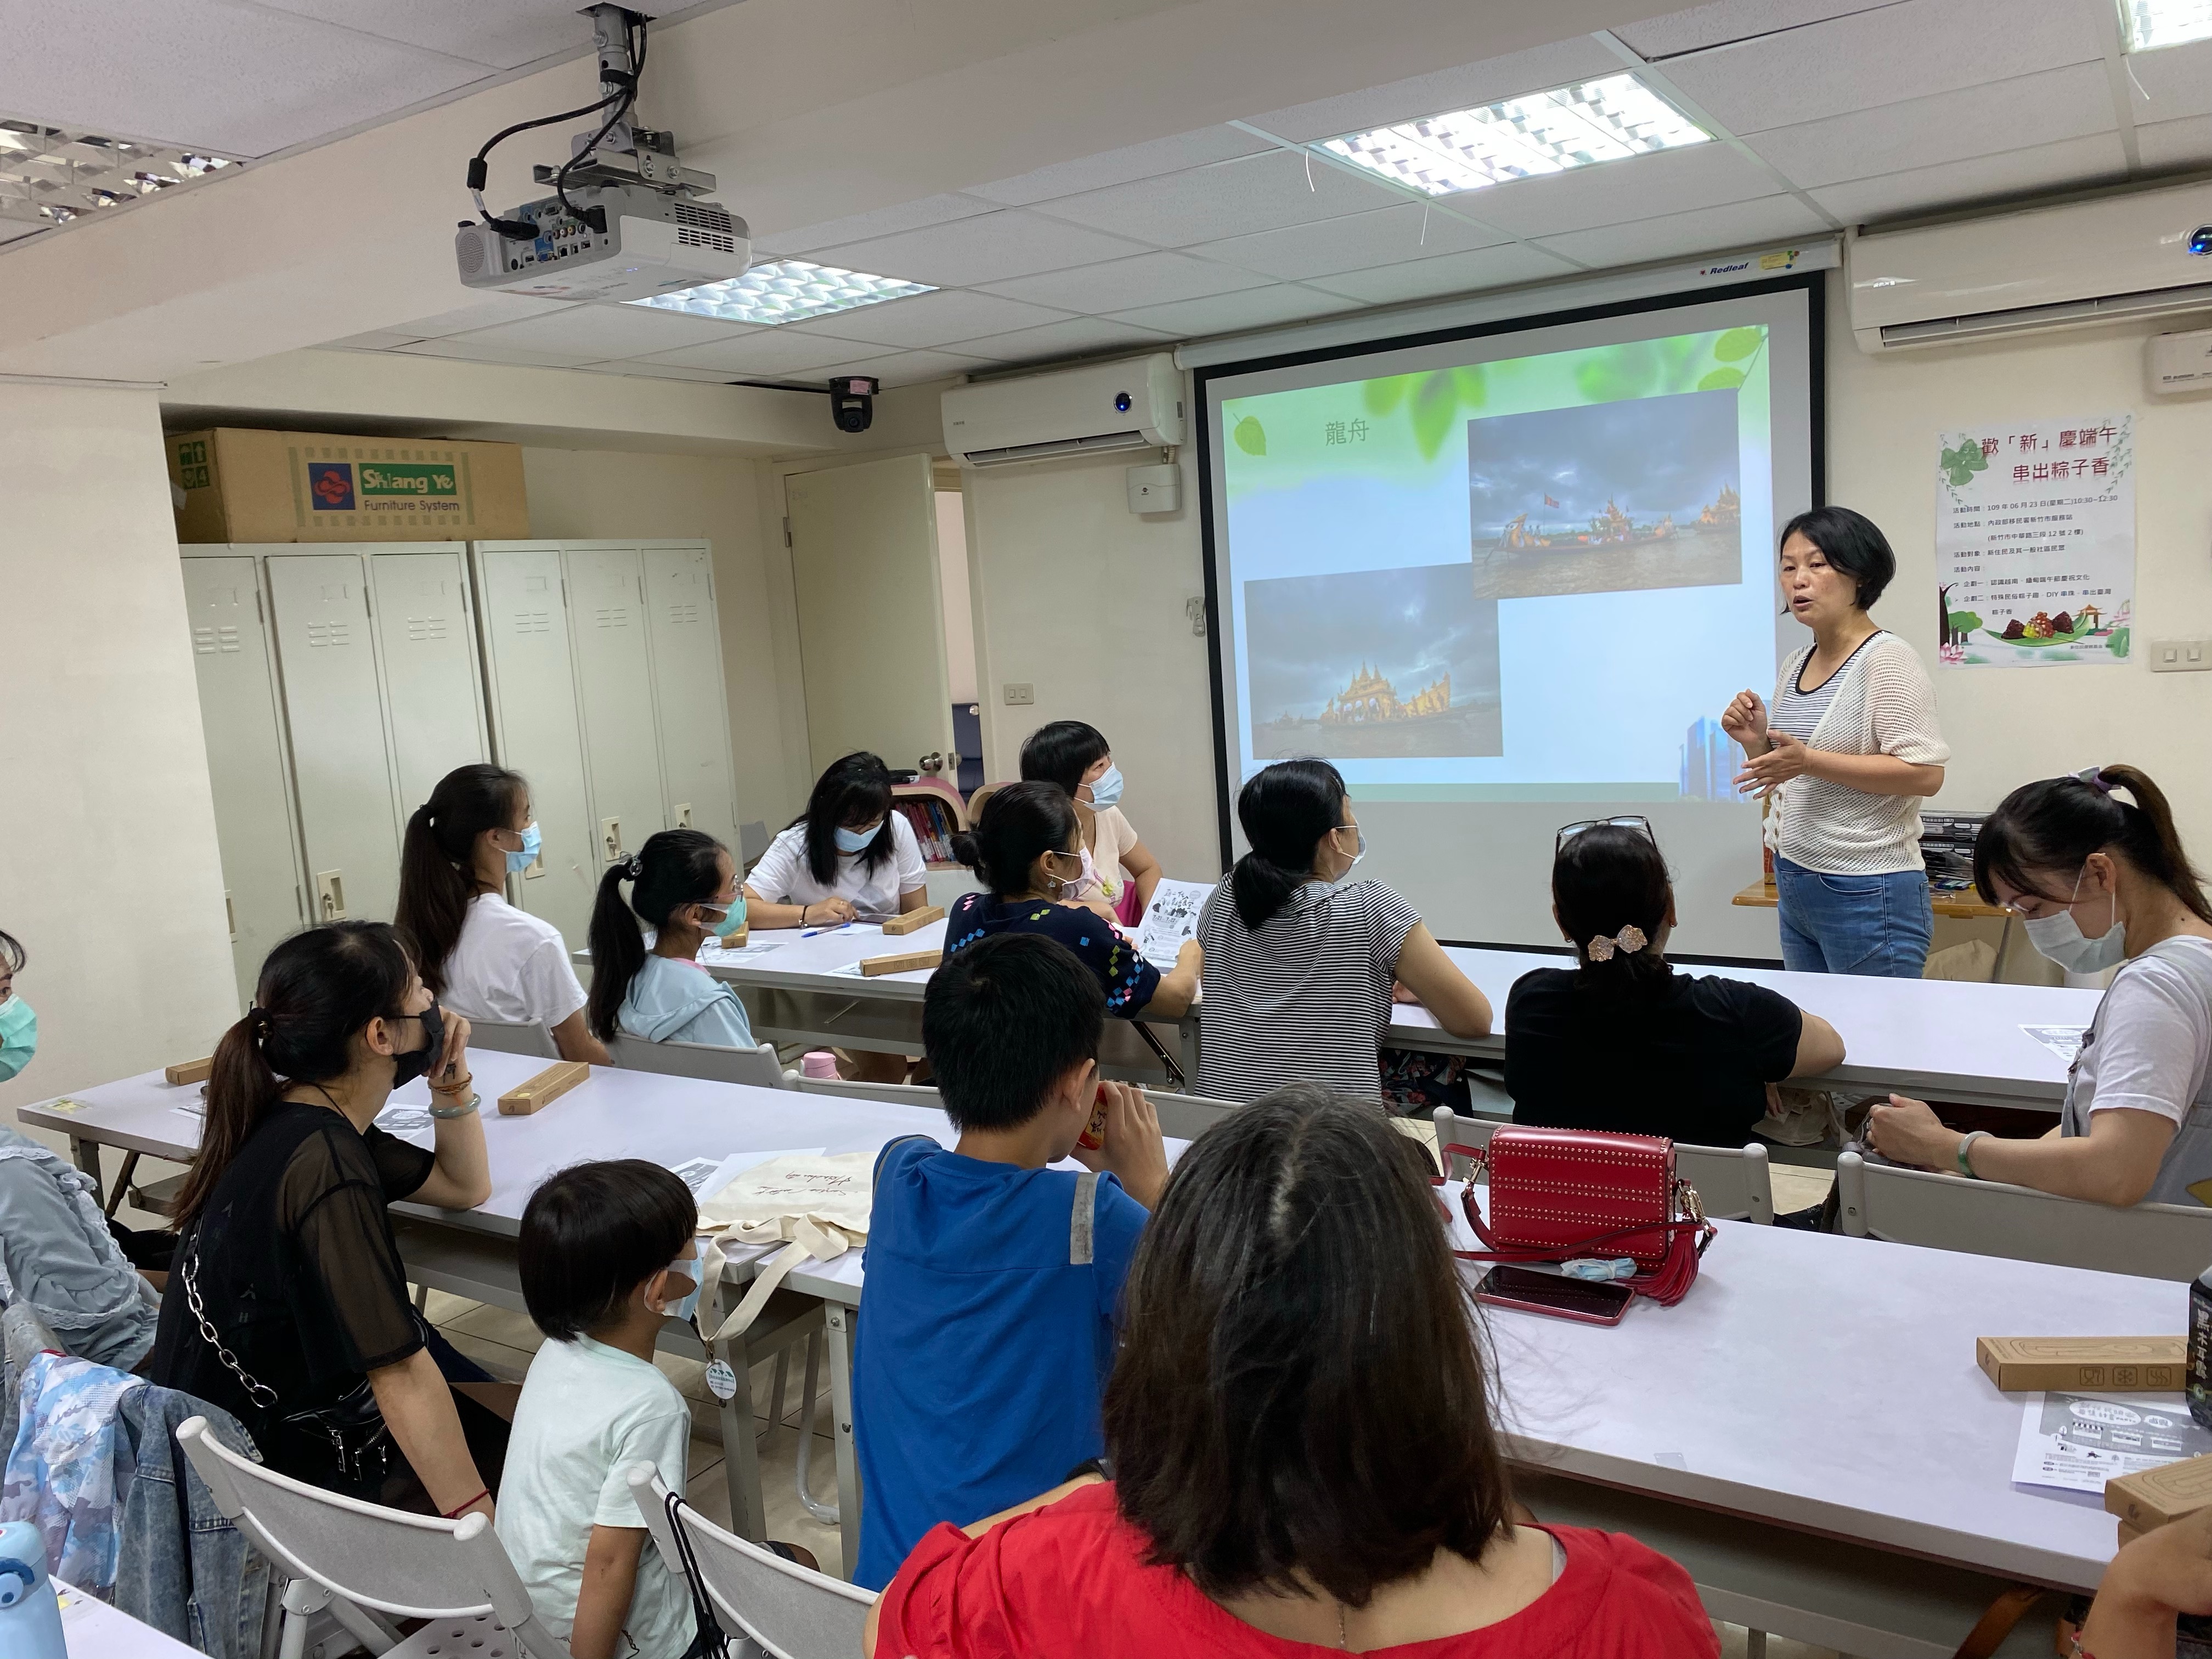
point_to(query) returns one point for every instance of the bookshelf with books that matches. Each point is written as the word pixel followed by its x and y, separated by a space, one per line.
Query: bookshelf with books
pixel 937 814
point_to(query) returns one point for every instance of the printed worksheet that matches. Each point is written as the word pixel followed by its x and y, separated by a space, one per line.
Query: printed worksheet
pixel 706 1176
pixel 2077 1441
pixel 1171 918
pixel 2064 1040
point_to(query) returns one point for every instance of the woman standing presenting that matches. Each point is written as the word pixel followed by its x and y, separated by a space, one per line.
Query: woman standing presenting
pixel 1848 751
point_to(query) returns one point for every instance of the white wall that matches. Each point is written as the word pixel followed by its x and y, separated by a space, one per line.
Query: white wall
pixel 108 869
pixel 952 581
pixel 584 494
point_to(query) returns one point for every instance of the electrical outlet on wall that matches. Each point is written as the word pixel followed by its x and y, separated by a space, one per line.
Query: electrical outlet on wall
pixel 2180 656
pixel 1020 692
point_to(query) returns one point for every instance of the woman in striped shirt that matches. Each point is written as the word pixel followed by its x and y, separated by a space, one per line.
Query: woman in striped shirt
pixel 1299 963
pixel 1848 751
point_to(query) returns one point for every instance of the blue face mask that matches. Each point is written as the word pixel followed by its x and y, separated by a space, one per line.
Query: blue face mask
pixel 1106 787
pixel 856 841
pixel 531 841
pixel 684 1267
pixel 19 1036
pixel 733 916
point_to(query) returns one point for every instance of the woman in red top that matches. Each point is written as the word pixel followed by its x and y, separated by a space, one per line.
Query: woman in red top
pixel 1300 1432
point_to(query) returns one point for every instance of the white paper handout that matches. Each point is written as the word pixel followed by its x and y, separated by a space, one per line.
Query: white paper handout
pixel 2064 1040
pixel 403 1119
pixel 706 1176
pixel 1169 919
pixel 712 952
pixel 2077 1441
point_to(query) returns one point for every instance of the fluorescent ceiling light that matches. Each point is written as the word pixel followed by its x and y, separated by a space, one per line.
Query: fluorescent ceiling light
pixel 1606 120
pixel 49 175
pixel 784 292
pixel 2150 24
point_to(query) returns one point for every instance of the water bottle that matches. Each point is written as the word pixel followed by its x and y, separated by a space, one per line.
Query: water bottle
pixel 30 1616
pixel 2200 1349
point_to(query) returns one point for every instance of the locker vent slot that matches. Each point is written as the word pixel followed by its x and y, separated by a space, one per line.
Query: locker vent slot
pixel 426 628
pixel 320 633
pixel 204 641
pixel 533 622
pixel 229 637
pixel 680 614
pixel 613 615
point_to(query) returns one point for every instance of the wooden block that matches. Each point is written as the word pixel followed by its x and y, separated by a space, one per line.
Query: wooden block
pixel 913 918
pixel 2157 1496
pixel 873 967
pixel 540 1091
pixel 2129 1534
pixel 2140 1364
pixel 191 1071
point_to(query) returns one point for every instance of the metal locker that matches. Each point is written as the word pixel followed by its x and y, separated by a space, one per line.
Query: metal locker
pixel 241 716
pixel 341 770
pixel 687 688
pixel 531 686
pixel 614 694
pixel 426 643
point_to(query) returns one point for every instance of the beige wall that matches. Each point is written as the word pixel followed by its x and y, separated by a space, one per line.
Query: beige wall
pixel 581 493
pixel 108 869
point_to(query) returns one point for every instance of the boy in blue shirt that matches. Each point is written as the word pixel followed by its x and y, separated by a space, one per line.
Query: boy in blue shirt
pixel 988 1329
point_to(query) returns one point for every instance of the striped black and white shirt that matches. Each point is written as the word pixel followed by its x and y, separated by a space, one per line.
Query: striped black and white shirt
pixel 1798 711
pixel 1305 999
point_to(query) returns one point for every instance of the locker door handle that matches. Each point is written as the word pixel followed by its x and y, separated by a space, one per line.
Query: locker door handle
pixel 330 895
pixel 610 838
pixel 681 814
pixel 230 914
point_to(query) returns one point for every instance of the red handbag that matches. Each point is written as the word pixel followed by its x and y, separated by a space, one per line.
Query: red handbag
pixel 1558 1195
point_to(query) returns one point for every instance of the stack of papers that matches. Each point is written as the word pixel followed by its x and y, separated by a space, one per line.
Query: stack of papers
pixel 2077 1441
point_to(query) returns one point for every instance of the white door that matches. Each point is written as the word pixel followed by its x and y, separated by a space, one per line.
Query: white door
pixel 870 614
pixel 531 689
pixel 614 693
pixel 341 772
pixel 687 684
pixel 243 722
pixel 426 640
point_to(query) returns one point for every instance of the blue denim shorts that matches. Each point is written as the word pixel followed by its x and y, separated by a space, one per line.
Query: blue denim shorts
pixel 1877 925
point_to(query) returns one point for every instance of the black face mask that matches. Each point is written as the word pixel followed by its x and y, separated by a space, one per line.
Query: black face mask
pixel 417 1062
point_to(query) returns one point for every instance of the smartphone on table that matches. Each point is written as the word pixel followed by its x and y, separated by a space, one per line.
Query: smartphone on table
pixel 1555 1294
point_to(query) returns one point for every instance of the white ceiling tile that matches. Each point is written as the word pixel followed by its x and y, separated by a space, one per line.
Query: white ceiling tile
pixel 1225 314
pixel 1076 336
pixel 1707 230
pixel 929 319
pixel 1229 198
pixel 595 331
pixel 2186 143
pixel 987 248
pixel 502 34
pixel 1148 279
pixel 861 226
pixel 1950 126
pixel 382 339
pixel 1356 242
pixel 1640 187
pixel 1460 87
pixel 2174 82
pixel 1452 273
pixel 484 313
pixel 906 367
pixel 1883 57
pixel 1725 20
pixel 226 75
pixel 765 352
pixel 488 351
pixel 1957 184
pixel 1119 166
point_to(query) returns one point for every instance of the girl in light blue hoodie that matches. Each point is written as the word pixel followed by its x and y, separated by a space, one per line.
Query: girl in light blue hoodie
pixel 683 885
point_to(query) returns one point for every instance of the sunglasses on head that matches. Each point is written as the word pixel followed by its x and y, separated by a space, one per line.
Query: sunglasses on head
pixel 1635 820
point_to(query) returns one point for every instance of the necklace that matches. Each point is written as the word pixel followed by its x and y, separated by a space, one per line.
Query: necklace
pixel 1342 1640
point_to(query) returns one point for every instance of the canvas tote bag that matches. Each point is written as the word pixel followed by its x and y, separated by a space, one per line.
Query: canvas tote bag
pixel 815 1205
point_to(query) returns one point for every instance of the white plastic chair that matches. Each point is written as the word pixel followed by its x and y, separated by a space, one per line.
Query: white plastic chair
pixel 362 1561
pixel 534 1039
pixel 1186 1117
pixel 756 1065
pixel 1734 1183
pixel 791 1612
pixel 898 1094
pixel 1989 1218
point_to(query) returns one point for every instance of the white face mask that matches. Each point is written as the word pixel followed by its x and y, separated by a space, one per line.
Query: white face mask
pixel 2060 938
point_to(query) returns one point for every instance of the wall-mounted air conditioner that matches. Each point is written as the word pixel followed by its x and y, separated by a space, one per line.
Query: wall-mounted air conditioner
pixel 1136 403
pixel 2145 253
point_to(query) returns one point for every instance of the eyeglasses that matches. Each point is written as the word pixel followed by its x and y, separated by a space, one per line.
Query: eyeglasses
pixel 1634 821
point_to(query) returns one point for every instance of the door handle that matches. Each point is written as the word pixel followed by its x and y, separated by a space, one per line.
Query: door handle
pixel 230 913
pixel 330 895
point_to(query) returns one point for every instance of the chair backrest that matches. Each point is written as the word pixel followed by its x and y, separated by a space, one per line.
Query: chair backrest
pixel 1734 1183
pixel 410 1566
pixel 757 1066
pixel 1988 1218
pixel 1186 1117
pixel 899 1094
pixel 791 1611
pixel 532 1037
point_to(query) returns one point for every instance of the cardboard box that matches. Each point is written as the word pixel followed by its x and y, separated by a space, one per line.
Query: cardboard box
pixel 2140 1364
pixel 246 486
pixel 2157 1496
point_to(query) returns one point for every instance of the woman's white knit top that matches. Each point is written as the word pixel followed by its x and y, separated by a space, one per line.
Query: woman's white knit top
pixel 1880 702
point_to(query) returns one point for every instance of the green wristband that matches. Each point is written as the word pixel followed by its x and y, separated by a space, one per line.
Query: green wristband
pixel 1966 1147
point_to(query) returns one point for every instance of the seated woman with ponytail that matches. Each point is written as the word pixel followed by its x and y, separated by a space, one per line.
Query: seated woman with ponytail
pixel 287 1303
pixel 482 957
pixel 2099 882
pixel 1702 1051
pixel 1300 962
pixel 684 887
pixel 1027 850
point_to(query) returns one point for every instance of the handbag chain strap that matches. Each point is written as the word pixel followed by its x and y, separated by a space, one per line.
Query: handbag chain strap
pixel 260 1393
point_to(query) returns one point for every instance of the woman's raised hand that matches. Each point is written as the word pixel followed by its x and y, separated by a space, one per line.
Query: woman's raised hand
pixel 1745 719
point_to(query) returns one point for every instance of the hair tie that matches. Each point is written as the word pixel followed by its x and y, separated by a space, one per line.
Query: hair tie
pixel 633 866
pixel 2095 777
pixel 1630 938
pixel 257 1023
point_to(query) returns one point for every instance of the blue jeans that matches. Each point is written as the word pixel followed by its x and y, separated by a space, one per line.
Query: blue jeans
pixel 1877 925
